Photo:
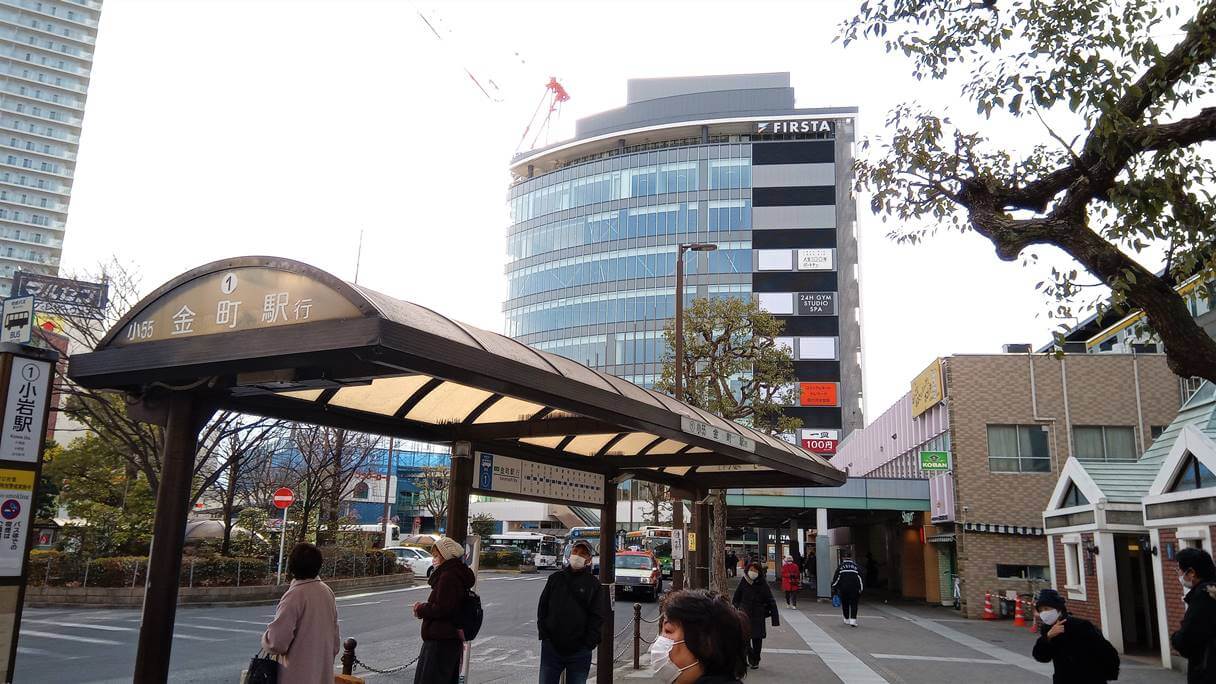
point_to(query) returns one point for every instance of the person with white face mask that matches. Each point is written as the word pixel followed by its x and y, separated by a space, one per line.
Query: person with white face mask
pixel 1078 652
pixel 1195 640
pixel 702 640
pixel 754 597
pixel 568 618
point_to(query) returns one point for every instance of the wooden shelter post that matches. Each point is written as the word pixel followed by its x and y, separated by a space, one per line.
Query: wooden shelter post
pixel 460 485
pixel 185 417
pixel 603 672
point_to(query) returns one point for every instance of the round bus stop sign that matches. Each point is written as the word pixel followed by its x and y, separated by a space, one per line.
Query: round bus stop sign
pixel 284 497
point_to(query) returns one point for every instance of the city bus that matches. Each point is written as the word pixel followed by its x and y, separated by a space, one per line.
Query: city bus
pixel 591 535
pixel 543 549
pixel 656 540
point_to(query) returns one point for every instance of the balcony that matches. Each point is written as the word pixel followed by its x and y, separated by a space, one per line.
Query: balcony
pixel 68 67
pixel 67 121
pixel 57 207
pixel 66 191
pixel 12 90
pixel 29 258
pixel 49 244
pixel 78 18
pixel 66 156
pixel 65 34
pixel 67 138
pixel 69 87
pixel 26 224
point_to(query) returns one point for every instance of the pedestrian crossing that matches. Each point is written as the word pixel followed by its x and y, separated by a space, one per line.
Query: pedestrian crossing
pixel 52 631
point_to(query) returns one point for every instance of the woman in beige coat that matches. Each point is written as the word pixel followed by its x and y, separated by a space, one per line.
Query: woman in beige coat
pixel 304 631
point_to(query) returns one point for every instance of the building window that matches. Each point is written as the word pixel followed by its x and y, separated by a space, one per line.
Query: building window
pixel 1074 565
pixel 1104 443
pixel 1156 430
pixel 1193 475
pixel 1073 497
pixel 1026 572
pixel 1018 449
pixel 361 490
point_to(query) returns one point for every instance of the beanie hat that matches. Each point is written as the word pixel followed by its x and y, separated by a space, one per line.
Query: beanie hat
pixel 1050 598
pixel 449 548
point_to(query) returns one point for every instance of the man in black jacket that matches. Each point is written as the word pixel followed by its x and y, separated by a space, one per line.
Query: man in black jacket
pixel 1195 640
pixel 568 618
pixel 1075 648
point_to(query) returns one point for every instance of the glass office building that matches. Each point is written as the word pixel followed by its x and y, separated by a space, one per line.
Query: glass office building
pixel 596 222
pixel 46 56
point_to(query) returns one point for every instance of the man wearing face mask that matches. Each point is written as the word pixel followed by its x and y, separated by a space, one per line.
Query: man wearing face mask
pixel 1196 639
pixel 568 618
pixel 1077 651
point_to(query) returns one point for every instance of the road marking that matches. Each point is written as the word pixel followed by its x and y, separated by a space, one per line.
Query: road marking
pixel 191 637
pixel 789 651
pixel 838 615
pixel 381 593
pixel 938 659
pixel 84 625
pixel 37 652
pixel 215 619
pixel 839 660
pixel 1024 662
pixel 70 637
pixel 367 603
pixel 220 629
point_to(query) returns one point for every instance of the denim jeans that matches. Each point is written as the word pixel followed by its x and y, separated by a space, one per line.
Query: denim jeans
pixel 577 665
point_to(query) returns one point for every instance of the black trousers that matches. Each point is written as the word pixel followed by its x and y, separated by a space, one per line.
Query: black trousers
pixel 848 604
pixel 753 653
pixel 791 598
pixel 439 662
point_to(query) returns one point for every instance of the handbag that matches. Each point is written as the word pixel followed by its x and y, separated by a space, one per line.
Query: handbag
pixel 263 669
pixel 835 600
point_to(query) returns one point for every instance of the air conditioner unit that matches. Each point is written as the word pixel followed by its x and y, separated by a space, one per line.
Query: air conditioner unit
pixel 1016 348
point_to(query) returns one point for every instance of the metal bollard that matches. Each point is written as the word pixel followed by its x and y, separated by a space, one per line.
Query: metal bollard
pixel 191 584
pixel 348 655
pixel 637 636
pixel 86 574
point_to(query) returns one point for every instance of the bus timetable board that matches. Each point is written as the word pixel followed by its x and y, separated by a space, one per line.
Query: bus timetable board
pixel 516 478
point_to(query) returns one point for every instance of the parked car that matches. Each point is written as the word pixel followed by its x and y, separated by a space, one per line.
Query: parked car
pixel 415 558
pixel 638 572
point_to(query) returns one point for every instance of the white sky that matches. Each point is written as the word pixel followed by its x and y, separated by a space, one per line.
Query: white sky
pixel 219 128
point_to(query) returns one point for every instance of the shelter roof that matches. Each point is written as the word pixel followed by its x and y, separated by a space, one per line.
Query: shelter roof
pixel 280 338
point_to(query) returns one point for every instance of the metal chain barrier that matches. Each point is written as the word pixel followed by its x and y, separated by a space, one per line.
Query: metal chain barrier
pixel 394 670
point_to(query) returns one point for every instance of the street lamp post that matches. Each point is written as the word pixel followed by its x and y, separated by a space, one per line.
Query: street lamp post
pixel 677 505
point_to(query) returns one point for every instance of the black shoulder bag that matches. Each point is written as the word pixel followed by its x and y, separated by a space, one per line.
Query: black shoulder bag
pixel 263 669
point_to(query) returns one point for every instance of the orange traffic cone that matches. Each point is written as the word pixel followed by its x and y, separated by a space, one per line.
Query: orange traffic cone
pixel 1019 618
pixel 988 614
pixel 1030 624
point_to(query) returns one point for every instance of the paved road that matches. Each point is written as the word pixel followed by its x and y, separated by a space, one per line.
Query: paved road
pixel 895 644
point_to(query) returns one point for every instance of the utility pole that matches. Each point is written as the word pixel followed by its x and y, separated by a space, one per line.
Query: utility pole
pixel 388 482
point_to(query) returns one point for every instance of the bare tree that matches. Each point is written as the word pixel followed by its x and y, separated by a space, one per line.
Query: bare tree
pixel 240 455
pixel 657 503
pixel 432 485
pixel 323 463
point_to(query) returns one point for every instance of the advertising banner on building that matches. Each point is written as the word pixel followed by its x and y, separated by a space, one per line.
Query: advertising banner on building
pixel 818 394
pixel 820 441
pixel 816 260
pixel 816 304
pixel 927 388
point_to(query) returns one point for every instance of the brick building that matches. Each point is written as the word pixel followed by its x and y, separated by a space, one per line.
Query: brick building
pixel 1008 424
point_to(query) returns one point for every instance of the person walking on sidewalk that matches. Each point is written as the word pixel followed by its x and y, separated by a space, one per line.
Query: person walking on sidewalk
pixel 442 640
pixel 304 631
pixel 847 584
pixel 755 599
pixel 702 640
pixel 568 618
pixel 1196 639
pixel 791 581
pixel 1078 652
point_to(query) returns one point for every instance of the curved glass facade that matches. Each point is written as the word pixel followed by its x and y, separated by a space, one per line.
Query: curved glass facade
pixel 592 247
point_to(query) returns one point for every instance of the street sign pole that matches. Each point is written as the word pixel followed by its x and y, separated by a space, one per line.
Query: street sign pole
pixel 278 578
pixel 283 498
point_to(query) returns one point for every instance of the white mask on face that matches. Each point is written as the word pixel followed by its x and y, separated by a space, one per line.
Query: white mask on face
pixel 1049 616
pixel 753 575
pixel 577 562
pixel 1186 583
pixel 660 660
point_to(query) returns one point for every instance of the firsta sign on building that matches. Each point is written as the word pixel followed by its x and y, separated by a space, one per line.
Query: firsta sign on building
pixel 794 126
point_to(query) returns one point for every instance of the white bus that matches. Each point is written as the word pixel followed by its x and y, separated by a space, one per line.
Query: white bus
pixel 542 548
pixel 591 535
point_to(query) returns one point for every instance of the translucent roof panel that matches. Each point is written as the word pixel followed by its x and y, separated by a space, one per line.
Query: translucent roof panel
pixel 383 396
pixel 507 410
pixel 588 445
pixel 632 444
pixel 667 446
pixel 303 395
pixel 547 442
pixel 448 403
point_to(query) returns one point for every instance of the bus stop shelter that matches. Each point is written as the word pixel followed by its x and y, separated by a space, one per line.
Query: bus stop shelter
pixel 279 338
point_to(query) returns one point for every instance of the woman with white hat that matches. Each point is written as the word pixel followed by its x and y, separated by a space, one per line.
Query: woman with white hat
pixel 442 641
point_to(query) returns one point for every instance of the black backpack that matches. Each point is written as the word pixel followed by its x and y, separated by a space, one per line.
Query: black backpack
pixel 1108 660
pixel 469 615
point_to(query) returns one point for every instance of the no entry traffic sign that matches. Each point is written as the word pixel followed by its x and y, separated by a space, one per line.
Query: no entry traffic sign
pixel 284 497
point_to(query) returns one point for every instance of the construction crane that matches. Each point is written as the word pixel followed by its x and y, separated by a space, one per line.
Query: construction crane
pixel 555 94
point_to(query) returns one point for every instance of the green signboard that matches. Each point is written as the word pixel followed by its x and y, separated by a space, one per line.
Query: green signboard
pixel 935 460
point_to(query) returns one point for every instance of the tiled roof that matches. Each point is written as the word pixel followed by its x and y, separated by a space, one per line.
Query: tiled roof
pixel 1126 482
pixel 1199 410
